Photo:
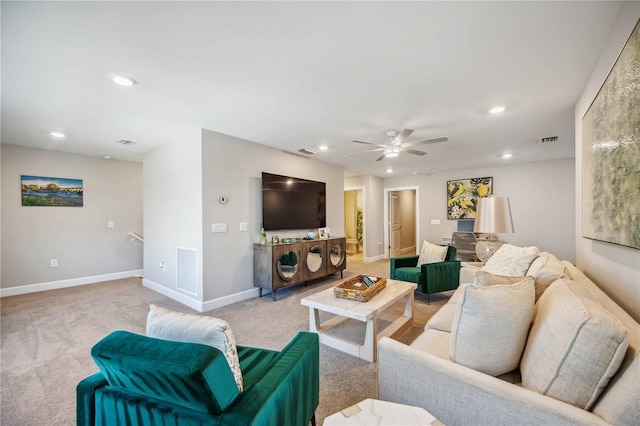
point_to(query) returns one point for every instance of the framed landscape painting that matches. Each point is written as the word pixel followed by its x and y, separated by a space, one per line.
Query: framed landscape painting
pixel 462 196
pixel 611 154
pixel 50 191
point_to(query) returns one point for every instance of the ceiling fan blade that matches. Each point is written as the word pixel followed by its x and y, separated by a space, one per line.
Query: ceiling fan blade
pixel 369 143
pixel 380 157
pixel 402 136
pixel 414 151
pixel 424 141
pixel 364 152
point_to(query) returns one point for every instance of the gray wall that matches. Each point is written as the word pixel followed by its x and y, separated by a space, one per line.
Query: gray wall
pixel 77 236
pixel 173 213
pixel 541 196
pixel 232 167
pixel 615 269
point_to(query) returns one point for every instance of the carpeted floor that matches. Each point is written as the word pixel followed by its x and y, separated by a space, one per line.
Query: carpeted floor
pixel 46 340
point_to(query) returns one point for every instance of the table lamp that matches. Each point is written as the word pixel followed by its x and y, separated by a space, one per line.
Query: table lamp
pixel 493 216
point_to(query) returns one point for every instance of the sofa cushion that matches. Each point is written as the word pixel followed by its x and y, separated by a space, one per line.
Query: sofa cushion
pixel 190 375
pixel 545 269
pixel 443 318
pixel 490 326
pixel 434 342
pixel 510 260
pixel 575 346
pixel 408 273
pixel 431 253
pixel 180 327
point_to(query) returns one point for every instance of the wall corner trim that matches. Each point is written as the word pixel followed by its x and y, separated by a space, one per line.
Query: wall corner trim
pixel 73 282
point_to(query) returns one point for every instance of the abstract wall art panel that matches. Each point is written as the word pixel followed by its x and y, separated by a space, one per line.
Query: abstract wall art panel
pixel 611 154
pixel 462 196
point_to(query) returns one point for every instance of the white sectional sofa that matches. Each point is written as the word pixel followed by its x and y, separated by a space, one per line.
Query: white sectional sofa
pixel 577 363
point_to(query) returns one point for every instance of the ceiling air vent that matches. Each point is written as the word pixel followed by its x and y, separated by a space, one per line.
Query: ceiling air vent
pixel 549 139
pixel 125 142
pixel 308 151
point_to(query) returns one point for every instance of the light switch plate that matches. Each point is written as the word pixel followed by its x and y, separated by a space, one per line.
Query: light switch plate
pixel 219 227
pixel 435 221
pixel 243 227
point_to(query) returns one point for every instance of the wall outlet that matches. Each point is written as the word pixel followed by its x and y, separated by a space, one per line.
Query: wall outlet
pixel 243 227
pixel 163 266
pixel 111 224
pixel 53 263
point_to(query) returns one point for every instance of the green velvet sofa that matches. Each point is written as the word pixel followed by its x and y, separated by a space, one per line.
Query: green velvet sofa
pixel 147 381
pixel 431 277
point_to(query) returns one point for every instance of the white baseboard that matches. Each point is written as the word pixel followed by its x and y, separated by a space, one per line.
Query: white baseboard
pixel 53 285
pixel 408 251
pixel 232 298
pixel 183 298
pixel 197 305
pixel 374 258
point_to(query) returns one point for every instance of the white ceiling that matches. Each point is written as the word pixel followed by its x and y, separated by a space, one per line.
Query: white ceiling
pixel 300 74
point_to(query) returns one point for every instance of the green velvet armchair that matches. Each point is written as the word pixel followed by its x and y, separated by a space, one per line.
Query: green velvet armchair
pixel 431 277
pixel 147 381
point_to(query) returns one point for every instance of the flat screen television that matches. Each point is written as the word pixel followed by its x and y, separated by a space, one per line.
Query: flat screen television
pixel 292 203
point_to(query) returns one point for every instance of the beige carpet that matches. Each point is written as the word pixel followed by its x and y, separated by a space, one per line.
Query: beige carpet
pixel 46 340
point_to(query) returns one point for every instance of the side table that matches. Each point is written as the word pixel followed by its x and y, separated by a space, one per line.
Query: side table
pixel 376 412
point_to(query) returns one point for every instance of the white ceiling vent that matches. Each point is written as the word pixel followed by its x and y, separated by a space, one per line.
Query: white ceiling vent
pixel 549 139
pixel 308 151
pixel 125 142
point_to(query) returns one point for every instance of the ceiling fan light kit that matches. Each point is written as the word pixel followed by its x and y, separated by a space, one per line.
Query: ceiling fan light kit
pixel 396 144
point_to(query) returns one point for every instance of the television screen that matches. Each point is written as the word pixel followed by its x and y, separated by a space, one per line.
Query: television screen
pixel 292 203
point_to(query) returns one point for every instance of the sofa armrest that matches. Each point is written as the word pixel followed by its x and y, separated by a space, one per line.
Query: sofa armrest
pixel 85 401
pixel 439 276
pixel 289 392
pixel 401 262
pixel 457 395
pixel 468 271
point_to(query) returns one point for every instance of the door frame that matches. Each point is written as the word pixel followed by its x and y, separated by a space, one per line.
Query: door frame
pixel 364 215
pixel 386 216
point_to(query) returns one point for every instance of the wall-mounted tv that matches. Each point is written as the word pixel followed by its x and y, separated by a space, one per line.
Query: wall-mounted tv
pixel 292 203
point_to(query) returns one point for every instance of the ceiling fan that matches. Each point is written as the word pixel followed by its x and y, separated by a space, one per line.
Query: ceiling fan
pixel 396 145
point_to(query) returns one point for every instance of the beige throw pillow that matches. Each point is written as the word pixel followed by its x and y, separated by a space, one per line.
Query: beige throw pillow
pixel 490 326
pixel 575 346
pixel 432 253
pixel 179 327
pixel 511 261
pixel 545 269
pixel 486 279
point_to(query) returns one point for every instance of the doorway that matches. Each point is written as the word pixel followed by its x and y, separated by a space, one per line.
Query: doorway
pixel 354 221
pixel 401 215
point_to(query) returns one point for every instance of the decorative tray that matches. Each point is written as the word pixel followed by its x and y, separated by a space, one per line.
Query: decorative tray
pixel 355 289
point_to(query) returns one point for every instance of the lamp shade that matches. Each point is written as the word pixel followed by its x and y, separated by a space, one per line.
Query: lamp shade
pixel 493 216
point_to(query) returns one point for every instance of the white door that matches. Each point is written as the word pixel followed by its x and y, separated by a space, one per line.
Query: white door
pixel 394 225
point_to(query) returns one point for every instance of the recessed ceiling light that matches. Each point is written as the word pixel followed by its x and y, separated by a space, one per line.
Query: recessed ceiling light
pixel 123 80
pixel 414 173
pixel 496 109
pixel 323 147
pixel 389 170
pixel 107 157
pixel 57 134
pixel 507 155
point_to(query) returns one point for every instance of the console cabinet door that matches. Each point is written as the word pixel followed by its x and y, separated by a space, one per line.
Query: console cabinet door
pixel 336 255
pixel 314 259
pixel 287 265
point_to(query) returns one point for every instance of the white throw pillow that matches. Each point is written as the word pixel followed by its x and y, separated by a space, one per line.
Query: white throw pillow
pixel 432 253
pixel 491 325
pixel 511 261
pixel 575 346
pixel 180 327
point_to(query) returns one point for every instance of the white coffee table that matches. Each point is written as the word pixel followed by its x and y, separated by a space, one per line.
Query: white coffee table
pixel 376 412
pixel 367 312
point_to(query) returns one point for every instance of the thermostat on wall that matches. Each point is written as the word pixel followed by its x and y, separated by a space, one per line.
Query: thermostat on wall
pixel 223 199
